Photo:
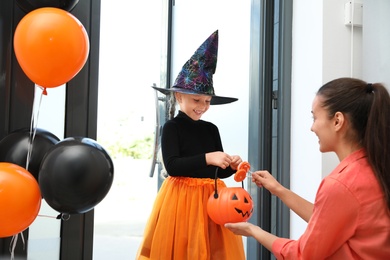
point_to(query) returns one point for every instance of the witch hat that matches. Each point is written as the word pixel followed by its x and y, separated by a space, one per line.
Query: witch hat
pixel 196 76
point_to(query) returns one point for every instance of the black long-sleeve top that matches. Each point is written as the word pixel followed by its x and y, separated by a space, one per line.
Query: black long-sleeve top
pixel 184 144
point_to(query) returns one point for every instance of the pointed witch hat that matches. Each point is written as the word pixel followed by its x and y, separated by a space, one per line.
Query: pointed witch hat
pixel 196 76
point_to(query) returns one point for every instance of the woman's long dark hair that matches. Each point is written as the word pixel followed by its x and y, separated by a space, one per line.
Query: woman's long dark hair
pixel 368 108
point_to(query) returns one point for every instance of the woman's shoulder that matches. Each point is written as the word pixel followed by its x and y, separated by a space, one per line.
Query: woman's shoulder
pixel 358 178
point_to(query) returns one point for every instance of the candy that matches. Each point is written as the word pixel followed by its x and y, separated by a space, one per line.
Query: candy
pixel 240 175
pixel 242 170
pixel 244 165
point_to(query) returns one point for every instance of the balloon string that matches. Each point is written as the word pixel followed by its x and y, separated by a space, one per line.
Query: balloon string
pixel 44 91
pixel 60 216
pixel 47 216
pixel 33 128
pixel 13 243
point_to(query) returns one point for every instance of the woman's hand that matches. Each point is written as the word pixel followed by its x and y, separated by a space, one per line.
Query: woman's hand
pixel 266 180
pixel 249 230
pixel 296 203
pixel 241 228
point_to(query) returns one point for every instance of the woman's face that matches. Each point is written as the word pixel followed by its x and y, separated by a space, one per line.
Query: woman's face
pixel 193 105
pixel 323 126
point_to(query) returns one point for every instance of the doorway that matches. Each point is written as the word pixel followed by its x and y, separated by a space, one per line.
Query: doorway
pixel 129 65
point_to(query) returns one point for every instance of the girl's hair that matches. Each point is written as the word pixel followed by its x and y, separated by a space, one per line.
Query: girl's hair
pixel 163 173
pixel 171 105
pixel 368 108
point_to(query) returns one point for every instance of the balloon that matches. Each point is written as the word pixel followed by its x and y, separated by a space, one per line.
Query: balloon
pixel 30 5
pixel 20 199
pixel 51 46
pixel 75 175
pixel 14 148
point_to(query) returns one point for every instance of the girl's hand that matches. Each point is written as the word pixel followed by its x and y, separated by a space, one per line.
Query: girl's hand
pixel 219 159
pixel 236 160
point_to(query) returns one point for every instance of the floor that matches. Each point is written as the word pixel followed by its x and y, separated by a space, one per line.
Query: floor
pixel 121 217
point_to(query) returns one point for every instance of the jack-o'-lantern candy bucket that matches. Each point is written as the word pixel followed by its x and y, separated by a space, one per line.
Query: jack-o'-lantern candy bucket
pixel 229 205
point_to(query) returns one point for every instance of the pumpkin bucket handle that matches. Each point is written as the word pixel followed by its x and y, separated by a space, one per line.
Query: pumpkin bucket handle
pixel 215 186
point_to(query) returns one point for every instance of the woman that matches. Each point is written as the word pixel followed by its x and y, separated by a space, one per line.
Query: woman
pixel 350 218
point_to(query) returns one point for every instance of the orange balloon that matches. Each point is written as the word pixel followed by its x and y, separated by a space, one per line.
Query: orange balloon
pixel 20 199
pixel 51 46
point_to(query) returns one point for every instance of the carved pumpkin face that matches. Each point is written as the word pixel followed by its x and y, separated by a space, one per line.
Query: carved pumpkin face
pixel 233 204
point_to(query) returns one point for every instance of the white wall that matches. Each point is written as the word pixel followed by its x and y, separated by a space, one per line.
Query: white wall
pixel 376 39
pixel 321 52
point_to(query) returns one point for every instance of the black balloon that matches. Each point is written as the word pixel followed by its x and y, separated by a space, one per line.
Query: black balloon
pixel 30 5
pixel 14 148
pixel 76 174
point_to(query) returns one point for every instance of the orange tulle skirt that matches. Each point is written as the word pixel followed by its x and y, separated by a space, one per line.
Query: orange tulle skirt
pixel 179 227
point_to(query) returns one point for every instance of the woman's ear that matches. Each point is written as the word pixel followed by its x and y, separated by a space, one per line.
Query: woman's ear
pixel 339 120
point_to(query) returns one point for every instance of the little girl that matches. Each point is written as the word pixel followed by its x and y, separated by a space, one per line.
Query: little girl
pixel 179 226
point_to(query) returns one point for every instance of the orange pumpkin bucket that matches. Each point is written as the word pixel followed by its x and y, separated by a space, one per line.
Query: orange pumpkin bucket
pixel 229 204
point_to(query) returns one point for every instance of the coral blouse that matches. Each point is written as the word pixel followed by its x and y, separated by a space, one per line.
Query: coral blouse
pixel 350 218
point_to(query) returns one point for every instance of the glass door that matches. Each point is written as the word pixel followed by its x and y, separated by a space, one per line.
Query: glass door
pixel 129 65
pixel 44 232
